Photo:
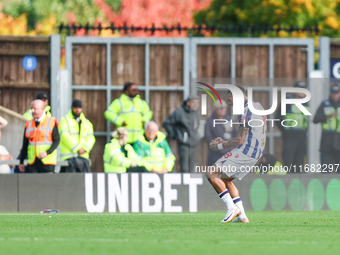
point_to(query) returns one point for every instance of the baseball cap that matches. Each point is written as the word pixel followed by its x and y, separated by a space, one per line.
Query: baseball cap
pixel 218 104
pixel 300 84
pixel 335 89
pixel 42 95
pixel 77 103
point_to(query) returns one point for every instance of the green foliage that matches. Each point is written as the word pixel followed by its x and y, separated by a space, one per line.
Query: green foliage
pixel 15 9
pixel 286 13
pixel 114 4
pixel 83 11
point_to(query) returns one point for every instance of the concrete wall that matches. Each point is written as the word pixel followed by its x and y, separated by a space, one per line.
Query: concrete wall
pixel 13 133
pixel 156 193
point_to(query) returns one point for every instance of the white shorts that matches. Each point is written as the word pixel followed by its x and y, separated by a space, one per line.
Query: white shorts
pixel 236 164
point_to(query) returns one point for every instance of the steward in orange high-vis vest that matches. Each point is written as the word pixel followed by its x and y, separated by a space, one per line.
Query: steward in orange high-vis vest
pixel 41 138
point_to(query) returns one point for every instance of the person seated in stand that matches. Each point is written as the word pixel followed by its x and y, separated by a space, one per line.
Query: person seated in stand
pixel 154 150
pixel 119 156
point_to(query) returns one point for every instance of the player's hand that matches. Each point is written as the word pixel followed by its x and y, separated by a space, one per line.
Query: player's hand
pixel 219 140
pixel 213 145
pixel 133 165
pixel 42 155
pixel 22 168
pixel 81 151
pixel 124 124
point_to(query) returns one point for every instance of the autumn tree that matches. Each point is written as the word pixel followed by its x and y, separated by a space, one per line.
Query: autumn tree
pixel 63 11
pixel 42 14
pixel 286 13
pixel 158 12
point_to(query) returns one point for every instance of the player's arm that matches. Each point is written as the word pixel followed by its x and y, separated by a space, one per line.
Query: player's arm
pixel 238 140
pixel 219 143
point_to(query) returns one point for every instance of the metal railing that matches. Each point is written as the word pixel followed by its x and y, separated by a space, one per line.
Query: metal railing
pixel 198 29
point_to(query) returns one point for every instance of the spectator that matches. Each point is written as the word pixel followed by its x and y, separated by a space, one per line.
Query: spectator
pixel 328 114
pixel 76 140
pixel 155 150
pixel 225 131
pixel 43 97
pixel 129 111
pixel 41 138
pixel 28 115
pixel 119 156
pixel 4 154
pixel 182 125
pixel 294 139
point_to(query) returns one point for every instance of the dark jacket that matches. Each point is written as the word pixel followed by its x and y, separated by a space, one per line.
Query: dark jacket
pixel 211 132
pixel 329 139
pixel 182 125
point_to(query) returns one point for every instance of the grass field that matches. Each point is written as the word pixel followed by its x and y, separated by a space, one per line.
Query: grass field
pixel 164 233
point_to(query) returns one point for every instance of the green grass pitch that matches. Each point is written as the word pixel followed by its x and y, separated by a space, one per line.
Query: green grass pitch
pixel 169 233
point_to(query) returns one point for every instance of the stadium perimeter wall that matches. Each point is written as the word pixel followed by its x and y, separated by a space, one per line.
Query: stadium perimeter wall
pixel 99 192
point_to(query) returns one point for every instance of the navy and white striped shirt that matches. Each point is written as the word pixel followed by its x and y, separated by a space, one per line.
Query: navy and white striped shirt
pixel 254 143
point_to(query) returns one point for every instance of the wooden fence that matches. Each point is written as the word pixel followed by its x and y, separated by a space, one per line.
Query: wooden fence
pixel 18 87
pixel 166 68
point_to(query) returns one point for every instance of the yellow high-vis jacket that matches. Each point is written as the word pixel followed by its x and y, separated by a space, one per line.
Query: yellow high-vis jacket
pixel 132 111
pixel 156 155
pixel 40 139
pixel 115 160
pixel 72 138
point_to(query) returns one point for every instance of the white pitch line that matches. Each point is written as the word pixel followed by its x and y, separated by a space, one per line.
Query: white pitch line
pixel 104 214
pixel 111 240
